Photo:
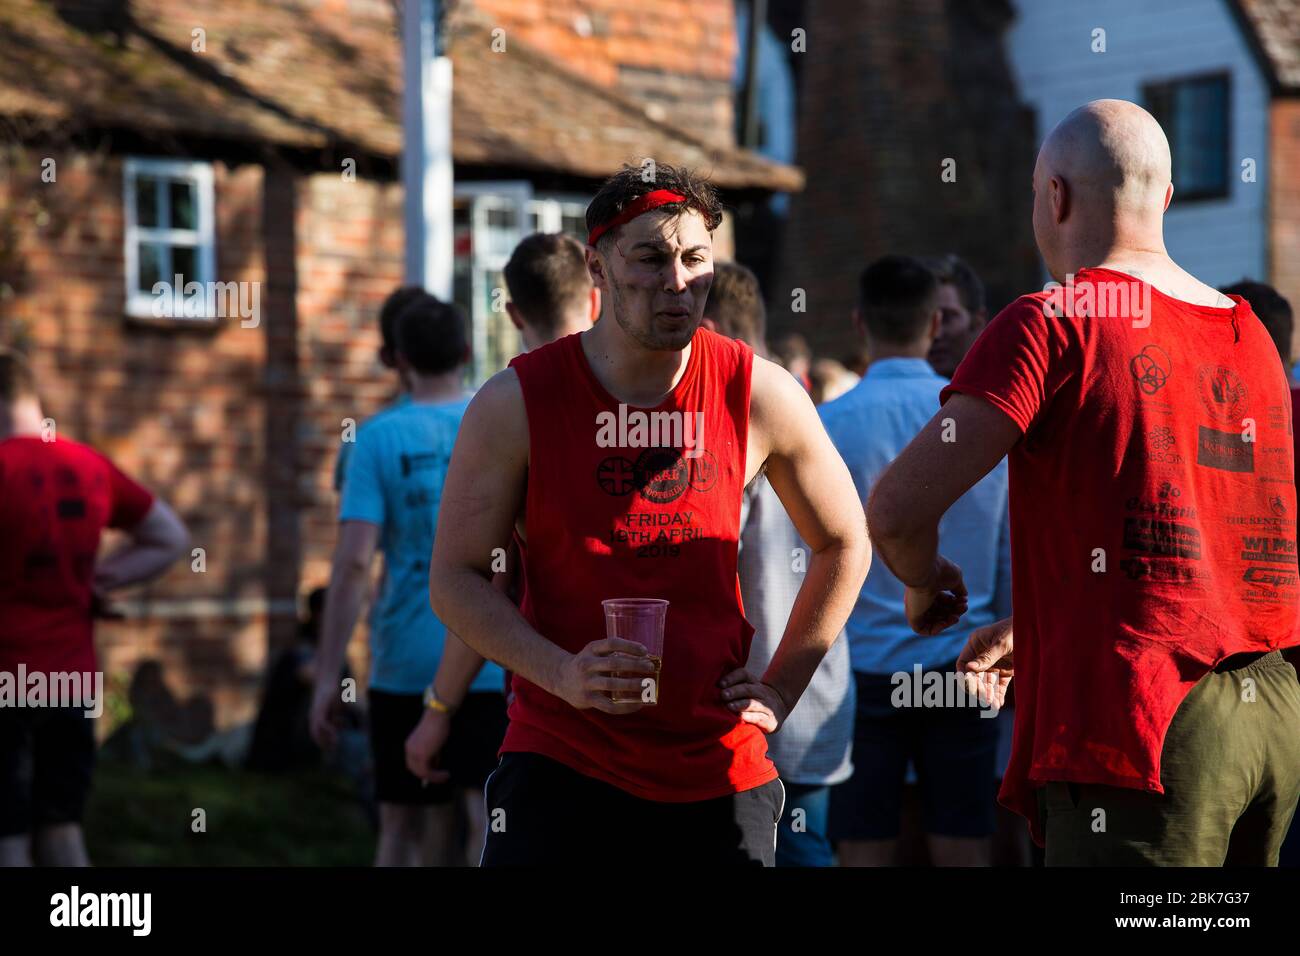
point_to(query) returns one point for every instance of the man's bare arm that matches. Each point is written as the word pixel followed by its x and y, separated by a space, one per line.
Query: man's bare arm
pixel 814 485
pixel 481 497
pixel 349 581
pixel 460 663
pixel 158 540
pixel 920 486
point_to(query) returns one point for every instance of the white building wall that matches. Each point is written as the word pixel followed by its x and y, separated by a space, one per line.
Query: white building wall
pixel 1217 240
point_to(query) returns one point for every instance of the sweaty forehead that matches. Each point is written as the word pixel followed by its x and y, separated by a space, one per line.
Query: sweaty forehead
pixel 667 227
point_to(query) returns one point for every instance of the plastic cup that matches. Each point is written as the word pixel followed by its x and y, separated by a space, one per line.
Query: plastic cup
pixel 640 620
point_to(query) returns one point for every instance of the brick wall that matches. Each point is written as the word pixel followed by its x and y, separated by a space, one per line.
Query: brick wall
pixel 890 90
pixel 237 428
pixel 1284 204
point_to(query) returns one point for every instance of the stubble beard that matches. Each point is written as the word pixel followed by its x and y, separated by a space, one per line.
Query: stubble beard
pixel 650 338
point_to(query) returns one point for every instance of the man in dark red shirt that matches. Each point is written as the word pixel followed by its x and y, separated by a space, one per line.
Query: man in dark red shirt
pixel 56 498
pixel 582 448
pixel 1272 309
pixel 1153 504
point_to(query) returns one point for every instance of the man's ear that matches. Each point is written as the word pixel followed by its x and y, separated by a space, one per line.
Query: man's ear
pixel 1169 196
pixel 403 368
pixel 936 324
pixel 858 325
pixel 709 324
pixel 516 319
pixel 596 267
pixel 595 305
pixel 386 357
pixel 1060 199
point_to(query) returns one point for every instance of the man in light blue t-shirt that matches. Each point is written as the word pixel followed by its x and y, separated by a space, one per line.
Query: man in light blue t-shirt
pixel 951 742
pixel 391 494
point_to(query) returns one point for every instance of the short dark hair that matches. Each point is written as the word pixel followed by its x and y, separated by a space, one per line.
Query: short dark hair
pixel 632 182
pixel 1273 310
pixel 432 335
pixel 393 306
pixel 789 348
pixel 735 303
pixel 952 270
pixel 546 277
pixel 17 380
pixel 897 295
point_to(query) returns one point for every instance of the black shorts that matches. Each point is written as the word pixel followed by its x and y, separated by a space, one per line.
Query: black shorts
pixel 469 755
pixel 954 750
pixel 542 813
pixel 47 756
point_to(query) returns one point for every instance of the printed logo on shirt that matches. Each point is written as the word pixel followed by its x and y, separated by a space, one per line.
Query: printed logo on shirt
pixel 1279 417
pixel 1268 550
pixel 616 476
pixel 1160 447
pixel 704 471
pixel 656 534
pixel 1151 369
pixel 1163 569
pixel 1271 577
pixel 1162 537
pixel 70 509
pixel 1224 450
pixel 1222 393
pixel 1278 523
pixel 1167 507
pixel 422 460
pixel 662 475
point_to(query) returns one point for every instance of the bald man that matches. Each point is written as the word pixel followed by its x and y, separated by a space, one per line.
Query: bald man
pixel 1147 422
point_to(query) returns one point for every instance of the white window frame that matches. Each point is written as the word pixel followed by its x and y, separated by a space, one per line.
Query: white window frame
pixel 203 238
pixel 550 209
pixel 481 196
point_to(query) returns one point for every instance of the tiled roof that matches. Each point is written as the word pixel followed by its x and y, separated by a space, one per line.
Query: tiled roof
pixel 287 73
pixel 1276 25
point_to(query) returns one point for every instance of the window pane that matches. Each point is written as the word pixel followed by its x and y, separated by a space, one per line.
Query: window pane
pixel 185 260
pixel 502 231
pixel 146 201
pixel 533 216
pixel 574 222
pixel 185 213
pixel 152 266
pixel 1202 109
pixel 503 341
pixel 1194 114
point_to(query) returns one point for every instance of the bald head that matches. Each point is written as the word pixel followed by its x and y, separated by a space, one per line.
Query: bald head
pixel 1111 150
pixel 1102 180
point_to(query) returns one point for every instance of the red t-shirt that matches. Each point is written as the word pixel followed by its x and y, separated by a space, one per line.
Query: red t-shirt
pixel 627 522
pixel 56 498
pixel 1295 412
pixel 1134 454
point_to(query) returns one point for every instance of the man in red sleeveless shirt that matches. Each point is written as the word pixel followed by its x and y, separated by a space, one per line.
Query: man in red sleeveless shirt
pixel 618 457
pixel 1153 534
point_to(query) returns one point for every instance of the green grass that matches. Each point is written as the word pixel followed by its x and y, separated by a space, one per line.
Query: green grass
pixel 144 818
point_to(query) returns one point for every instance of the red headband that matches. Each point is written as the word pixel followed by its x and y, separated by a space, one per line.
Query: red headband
pixel 638 207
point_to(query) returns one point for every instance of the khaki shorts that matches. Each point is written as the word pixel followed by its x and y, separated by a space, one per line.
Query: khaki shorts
pixel 1230 767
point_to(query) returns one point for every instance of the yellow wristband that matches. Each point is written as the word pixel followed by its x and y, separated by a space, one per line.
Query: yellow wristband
pixel 432 702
